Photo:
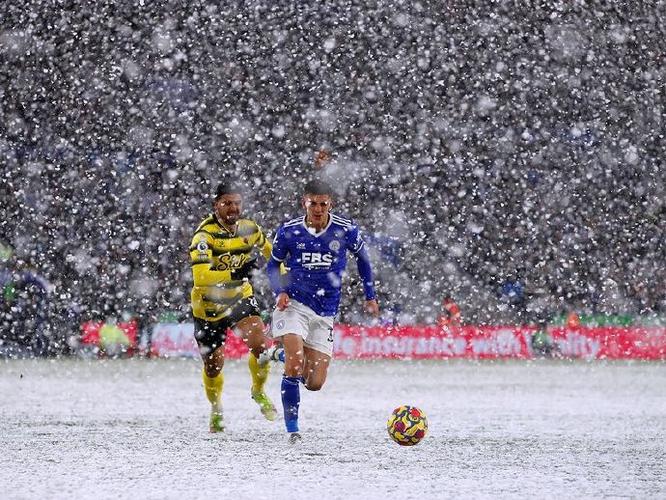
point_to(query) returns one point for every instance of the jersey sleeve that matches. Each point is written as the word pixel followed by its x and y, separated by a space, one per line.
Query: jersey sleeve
pixel 201 249
pixel 263 244
pixel 356 245
pixel 279 250
pixel 275 264
pixel 354 240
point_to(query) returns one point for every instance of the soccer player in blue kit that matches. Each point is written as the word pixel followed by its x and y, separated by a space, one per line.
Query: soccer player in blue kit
pixel 313 249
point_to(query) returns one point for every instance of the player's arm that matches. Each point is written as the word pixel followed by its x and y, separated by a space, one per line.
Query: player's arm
pixel 263 244
pixel 273 269
pixel 357 246
pixel 201 258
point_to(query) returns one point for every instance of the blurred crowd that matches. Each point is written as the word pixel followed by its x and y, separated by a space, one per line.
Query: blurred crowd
pixel 509 156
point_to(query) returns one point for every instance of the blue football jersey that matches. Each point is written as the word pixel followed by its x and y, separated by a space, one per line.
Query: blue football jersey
pixel 315 261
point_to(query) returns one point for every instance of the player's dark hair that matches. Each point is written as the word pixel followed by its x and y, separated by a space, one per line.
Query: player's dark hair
pixel 227 187
pixel 318 187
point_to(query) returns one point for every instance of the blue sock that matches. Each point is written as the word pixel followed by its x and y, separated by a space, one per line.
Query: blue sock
pixel 291 399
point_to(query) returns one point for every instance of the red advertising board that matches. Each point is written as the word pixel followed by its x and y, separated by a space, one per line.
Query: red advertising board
pixel 492 342
pixel 433 342
pixel 177 339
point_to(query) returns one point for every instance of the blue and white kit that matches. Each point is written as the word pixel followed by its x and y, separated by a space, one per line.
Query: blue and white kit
pixel 315 262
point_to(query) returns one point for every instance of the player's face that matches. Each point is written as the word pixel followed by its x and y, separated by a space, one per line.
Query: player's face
pixel 317 207
pixel 228 208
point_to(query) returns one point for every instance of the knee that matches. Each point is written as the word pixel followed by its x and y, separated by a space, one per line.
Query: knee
pixel 313 385
pixel 294 366
pixel 256 344
pixel 213 367
pixel 212 371
pixel 293 370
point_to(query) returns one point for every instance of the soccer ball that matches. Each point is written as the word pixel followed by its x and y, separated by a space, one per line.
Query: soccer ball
pixel 407 425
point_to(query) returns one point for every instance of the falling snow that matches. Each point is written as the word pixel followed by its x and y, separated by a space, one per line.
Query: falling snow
pixel 509 155
pixel 469 142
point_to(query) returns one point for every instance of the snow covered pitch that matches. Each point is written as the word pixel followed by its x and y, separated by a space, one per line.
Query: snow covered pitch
pixel 138 429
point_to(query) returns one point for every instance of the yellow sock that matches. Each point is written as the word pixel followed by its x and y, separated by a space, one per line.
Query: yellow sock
pixel 259 373
pixel 213 387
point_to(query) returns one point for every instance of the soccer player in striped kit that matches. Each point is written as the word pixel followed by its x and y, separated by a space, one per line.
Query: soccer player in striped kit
pixel 223 253
pixel 313 249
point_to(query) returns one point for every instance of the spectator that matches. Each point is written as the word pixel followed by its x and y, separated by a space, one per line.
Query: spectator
pixel 446 122
pixel 24 329
pixel 450 313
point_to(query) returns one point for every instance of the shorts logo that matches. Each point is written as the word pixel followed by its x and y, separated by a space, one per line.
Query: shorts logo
pixel 279 325
pixel 334 245
pixel 253 302
pixel 330 335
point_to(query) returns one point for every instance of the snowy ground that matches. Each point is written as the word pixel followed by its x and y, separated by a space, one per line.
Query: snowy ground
pixel 138 429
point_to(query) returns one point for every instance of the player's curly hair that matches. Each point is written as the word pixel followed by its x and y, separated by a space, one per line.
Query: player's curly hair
pixel 318 187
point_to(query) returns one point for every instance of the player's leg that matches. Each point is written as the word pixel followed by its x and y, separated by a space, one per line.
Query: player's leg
pixel 315 369
pixel 247 324
pixel 213 381
pixel 291 326
pixel 293 375
pixel 274 350
pixel 251 329
pixel 210 337
pixel 318 348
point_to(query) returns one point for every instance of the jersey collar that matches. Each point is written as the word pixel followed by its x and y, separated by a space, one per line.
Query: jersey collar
pixel 312 231
pixel 223 227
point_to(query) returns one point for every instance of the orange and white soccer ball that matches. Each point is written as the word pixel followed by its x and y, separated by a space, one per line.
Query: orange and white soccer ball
pixel 407 425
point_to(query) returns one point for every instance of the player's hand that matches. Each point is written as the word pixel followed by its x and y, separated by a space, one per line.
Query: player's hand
pixel 372 307
pixel 282 302
pixel 245 271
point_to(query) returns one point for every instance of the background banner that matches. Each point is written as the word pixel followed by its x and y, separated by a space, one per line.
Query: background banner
pixel 433 342
pixel 489 342
pixel 177 339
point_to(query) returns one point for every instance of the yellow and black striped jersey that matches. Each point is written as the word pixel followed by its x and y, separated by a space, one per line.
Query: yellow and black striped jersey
pixel 221 265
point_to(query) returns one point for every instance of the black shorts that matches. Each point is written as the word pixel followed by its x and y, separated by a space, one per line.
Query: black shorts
pixel 212 334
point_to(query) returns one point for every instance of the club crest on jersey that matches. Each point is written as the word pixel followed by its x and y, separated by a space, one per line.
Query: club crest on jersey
pixel 202 246
pixel 334 245
pixel 316 260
